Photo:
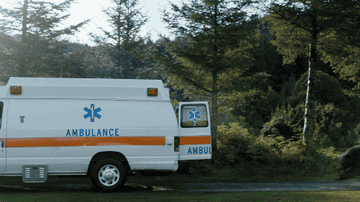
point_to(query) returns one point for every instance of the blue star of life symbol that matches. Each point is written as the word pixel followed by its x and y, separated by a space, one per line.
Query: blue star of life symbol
pixel 92 113
pixel 194 114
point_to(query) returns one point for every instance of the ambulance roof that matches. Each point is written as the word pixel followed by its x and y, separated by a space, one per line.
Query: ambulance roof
pixel 94 88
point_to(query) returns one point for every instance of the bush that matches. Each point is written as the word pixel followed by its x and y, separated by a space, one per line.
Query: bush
pixel 256 106
pixel 233 131
pixel 237 149
pixel 285 126
pixel 259 155
pixel 333 115
pixel 332 127
pixel 327 125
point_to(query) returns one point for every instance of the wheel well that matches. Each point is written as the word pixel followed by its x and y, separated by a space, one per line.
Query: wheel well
pixel 115 155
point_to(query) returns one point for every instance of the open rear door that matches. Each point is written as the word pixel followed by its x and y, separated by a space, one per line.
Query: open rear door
pixel 194 131
pixel 3 119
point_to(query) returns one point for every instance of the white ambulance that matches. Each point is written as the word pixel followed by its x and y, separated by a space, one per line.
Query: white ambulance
pixel 102 128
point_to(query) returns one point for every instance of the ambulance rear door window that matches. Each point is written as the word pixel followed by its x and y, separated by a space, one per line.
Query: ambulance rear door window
pixel 194 116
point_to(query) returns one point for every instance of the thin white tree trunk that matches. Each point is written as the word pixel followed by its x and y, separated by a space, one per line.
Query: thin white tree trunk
pixel 22 68
pixel 307 96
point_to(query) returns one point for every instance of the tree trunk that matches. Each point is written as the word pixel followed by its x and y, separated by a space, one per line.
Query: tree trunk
pixel 22 67
pixel 214 107
pixel 312 65
pixel 307 97
pixel 214 113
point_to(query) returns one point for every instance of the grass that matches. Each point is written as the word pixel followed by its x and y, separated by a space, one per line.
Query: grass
pixel 149 196
pixel 138 188
pixel 141 188
pixel 176 181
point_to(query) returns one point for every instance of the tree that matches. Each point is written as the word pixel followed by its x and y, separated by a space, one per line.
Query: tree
pixel 343 48
pixel 7 56
pixel 73 63
pixel 344 59
pixel 98 63
pixel 299 25
pixel 38 24
pixel 209 50
pixel 123 41
pixel 334 115
pixel 256 107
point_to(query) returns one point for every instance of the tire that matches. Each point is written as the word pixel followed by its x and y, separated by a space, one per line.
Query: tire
pixel 108 175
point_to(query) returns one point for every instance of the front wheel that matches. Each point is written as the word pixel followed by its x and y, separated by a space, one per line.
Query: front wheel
pixel 108 174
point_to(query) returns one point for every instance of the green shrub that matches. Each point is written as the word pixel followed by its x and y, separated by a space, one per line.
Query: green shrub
pixel 332 127
pixel 285 126
pixel 327 125
pixel 288 118
pixel 332 115
pixel 233 131
pixel 255 106
pixel 257 156
pixel 232 143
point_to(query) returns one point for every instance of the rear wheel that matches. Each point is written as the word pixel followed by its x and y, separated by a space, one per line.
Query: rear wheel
pixel 108 174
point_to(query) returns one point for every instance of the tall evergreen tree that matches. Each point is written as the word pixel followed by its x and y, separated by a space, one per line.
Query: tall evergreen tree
pixel 98 63
pixel 210 49
pixel 37 52
pixel 124 41
pixel 7 57
pixel 299 24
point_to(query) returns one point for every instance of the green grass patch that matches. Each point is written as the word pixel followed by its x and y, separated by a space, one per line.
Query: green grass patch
pixel 177 181
pixel 181 196
pixel 139 188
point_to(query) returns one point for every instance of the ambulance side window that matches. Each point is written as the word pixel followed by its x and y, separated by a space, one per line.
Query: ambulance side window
pixel 1 112
pixel 194 116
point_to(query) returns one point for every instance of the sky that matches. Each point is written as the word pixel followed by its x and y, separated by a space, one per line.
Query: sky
pixel 91 9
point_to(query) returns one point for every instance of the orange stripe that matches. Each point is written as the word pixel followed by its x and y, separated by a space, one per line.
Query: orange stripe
pixel 83 141
pixel 188 140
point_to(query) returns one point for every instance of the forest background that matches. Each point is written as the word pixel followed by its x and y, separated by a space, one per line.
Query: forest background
pixel 253 71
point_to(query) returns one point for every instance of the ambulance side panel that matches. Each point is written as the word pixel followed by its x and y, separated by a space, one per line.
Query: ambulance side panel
pixel 66 133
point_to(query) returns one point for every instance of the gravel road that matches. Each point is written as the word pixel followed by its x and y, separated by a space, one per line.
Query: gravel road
pixel 326 185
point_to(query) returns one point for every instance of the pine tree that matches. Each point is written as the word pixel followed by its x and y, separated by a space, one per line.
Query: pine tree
pixel 211 48
pixel 37 53
pixel 123 41
pixel 299 26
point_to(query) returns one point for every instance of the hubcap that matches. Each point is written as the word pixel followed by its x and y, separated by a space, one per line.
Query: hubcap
pixel 109 175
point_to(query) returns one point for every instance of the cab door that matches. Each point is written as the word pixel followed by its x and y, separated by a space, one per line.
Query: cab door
pixel 194 137
pixel 3 118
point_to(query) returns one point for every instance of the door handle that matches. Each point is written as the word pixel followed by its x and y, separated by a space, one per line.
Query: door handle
pixel 2 143
pixel 169 140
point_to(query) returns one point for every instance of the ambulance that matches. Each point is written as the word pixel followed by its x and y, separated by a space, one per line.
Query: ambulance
pixel 101 128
